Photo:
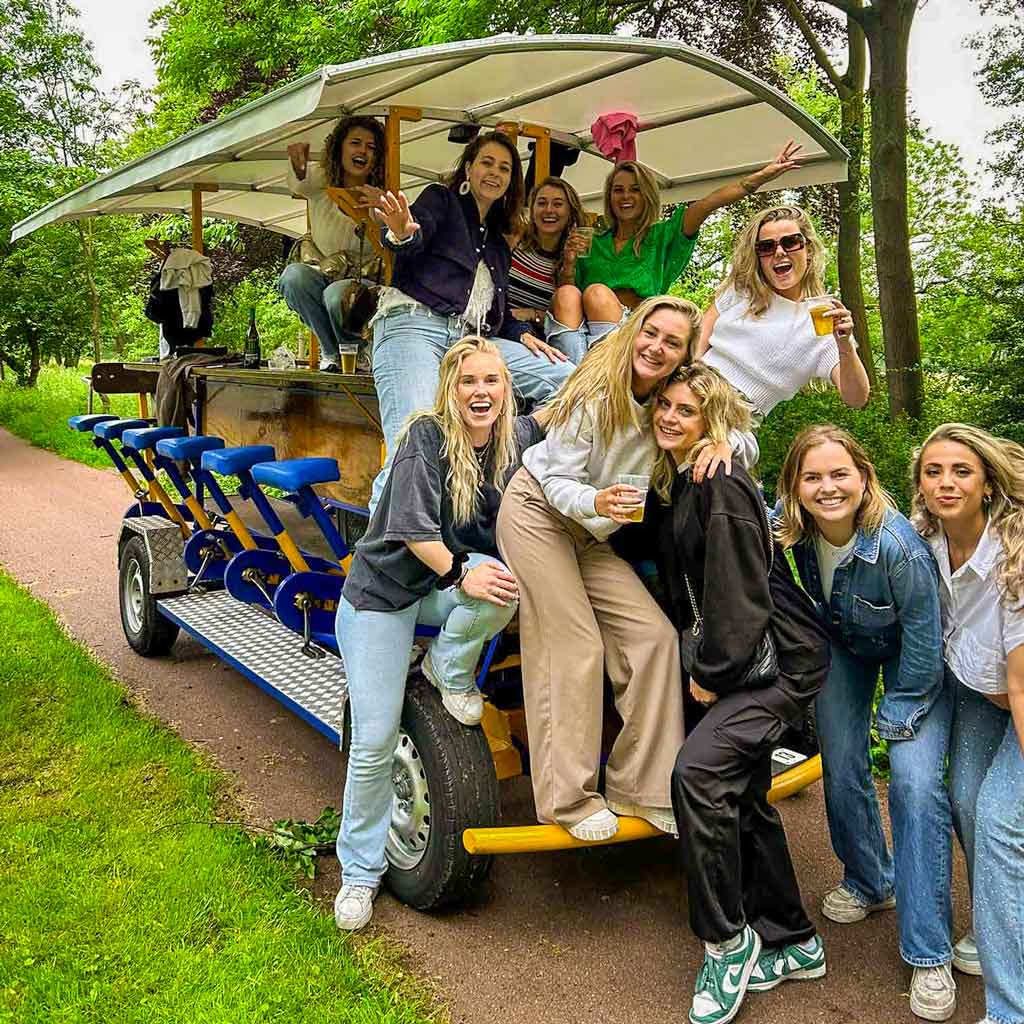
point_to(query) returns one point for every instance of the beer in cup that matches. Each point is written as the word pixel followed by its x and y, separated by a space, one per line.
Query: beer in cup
pixel 641 482
pixel 585 232
pixel 819 308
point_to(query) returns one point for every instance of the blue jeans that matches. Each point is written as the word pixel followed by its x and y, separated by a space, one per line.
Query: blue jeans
pixel 576 343
pixel 919 806
pixel 317 303
pixel 986 776
pixel 375 647
pixel 408 346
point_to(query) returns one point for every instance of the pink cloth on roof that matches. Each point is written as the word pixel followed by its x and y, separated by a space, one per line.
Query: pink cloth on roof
pixel 615 135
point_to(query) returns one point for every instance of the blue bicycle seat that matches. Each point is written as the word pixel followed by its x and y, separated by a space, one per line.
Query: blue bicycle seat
pixel 232 461
pixel 112 430
pixel 140 440
pixel 86 422
pixel 190 448
pixel 291 474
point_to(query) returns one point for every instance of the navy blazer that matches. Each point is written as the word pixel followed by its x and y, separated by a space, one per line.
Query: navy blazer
pixel 437 265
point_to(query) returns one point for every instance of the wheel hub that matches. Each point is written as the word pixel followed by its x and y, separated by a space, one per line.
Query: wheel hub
pixel 409 831
pixel 134 596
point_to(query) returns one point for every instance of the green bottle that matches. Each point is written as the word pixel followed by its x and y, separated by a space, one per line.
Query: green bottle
pixel 251 352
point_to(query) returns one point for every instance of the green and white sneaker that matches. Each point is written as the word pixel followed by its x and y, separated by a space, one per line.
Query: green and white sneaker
pixel 799 962
pixel 723 977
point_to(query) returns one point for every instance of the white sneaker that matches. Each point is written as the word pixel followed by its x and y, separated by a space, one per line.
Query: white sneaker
pixel 353 906
pixel 844 907
pixel 933 992
pixel 965 955
pixel 661 818
pixel 465 706
pixel 599 826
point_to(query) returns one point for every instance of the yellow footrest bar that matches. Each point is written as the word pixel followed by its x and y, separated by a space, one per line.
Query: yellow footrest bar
pixel 546 838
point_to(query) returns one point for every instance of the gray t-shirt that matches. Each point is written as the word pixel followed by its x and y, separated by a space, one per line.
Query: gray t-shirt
pixel 416 505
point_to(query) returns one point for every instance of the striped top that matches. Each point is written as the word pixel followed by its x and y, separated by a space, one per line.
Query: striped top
pixel 531 279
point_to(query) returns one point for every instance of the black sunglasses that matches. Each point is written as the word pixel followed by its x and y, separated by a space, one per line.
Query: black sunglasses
pixel 789 243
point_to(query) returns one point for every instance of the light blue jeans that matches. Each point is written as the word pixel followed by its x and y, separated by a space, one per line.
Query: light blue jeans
pixel 408 345
pixel 986 777
pixel 375 647
pixel 919 806
pixel 317 303
pixel 576 343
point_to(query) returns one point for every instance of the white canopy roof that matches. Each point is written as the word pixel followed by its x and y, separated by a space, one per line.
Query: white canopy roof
pixel 703 122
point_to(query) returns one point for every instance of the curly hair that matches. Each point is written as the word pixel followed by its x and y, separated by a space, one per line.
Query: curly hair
pixel 1003 463
pixel 331 159
pixel 745 275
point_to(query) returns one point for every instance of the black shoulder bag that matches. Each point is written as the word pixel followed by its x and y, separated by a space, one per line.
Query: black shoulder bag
pixel 763 670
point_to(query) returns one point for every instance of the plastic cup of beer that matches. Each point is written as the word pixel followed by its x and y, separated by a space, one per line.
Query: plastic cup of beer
pixel 348 360
pixel 586 233
pixel 641 482
pixel 818 308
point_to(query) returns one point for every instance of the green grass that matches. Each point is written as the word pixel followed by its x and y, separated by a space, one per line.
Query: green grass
pixel 110 910
pixel 40 414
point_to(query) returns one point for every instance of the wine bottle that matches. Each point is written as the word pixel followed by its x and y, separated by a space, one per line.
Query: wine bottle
pixel 251 352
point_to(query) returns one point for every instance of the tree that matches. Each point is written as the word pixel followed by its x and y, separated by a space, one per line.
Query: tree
pixel 1001 79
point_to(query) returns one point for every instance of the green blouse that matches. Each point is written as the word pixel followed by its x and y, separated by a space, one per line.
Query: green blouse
pixel 664 255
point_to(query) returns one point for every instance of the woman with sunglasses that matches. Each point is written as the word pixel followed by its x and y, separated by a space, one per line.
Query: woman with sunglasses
pixel 759 334
pixel 641 254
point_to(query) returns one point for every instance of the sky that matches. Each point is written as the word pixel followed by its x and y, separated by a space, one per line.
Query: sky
pixel 943 91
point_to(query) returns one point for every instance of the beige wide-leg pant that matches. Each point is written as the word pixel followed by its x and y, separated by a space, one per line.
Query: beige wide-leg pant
pixel 583 611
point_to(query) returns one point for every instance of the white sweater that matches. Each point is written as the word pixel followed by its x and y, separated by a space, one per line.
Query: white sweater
pixel 332 230
pixel 573 463
pixel 771 357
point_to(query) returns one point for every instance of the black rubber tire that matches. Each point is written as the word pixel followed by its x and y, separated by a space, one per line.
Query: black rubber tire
pixel 148 633
pixel 463 788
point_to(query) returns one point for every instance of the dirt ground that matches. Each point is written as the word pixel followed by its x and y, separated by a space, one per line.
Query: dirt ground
pixel 587 936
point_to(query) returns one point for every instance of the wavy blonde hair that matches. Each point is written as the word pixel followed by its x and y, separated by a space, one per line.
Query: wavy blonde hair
pixel 531 241
pixel 465 474
pixel 796 522
pixel 648 192
pixel 745 274
pixel 723 410
pixel 605 374
pixel 1003 463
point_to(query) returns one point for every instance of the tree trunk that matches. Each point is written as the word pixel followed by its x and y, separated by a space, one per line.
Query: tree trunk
pixel 88 258
pixel 887 26
pixel 32 341
pixel 851 134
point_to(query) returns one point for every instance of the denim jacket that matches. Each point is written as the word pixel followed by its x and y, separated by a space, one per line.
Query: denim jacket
pixel 885 609
pixel 437 265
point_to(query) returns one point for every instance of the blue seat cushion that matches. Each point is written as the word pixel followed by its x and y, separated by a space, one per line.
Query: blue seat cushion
pixel 113 429
pixel 190 448
pixel 140 440
pixel 291 474
pixel 89 420
pixel 232 461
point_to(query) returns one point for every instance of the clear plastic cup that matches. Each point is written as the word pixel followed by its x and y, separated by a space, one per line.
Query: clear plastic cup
pixel 818 307
pixel 348 359
pixel 585 232
pixel 642 483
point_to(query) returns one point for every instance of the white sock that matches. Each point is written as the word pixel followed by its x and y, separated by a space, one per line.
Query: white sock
pixel 810 945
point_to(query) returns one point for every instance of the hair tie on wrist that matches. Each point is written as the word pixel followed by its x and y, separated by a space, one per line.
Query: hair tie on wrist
pixel 454 575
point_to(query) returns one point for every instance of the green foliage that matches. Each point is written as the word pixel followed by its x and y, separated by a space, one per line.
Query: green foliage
pixel 298 843
pixel 117 902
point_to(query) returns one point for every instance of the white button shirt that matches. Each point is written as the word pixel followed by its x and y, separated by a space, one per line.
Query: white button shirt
pixel 978 629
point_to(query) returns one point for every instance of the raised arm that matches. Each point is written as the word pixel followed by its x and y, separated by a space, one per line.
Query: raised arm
pixel 849 375
pixel 700 209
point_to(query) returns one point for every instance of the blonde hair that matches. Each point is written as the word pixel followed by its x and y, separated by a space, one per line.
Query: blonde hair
pixel 605 374
pixel 722 407
pixel 648 192
pixel 745 275
pixel 796 522
pixel 1003 462
pixel 465 474
pixel 531 241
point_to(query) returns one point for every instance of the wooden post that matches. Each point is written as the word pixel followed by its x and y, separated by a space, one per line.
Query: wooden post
pixel 314 341
pixel 542 147
pixel 393 144
pixel 197 218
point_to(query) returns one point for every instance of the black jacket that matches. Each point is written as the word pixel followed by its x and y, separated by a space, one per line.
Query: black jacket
pixel 437 265
pixel 164 308
pixel 717 534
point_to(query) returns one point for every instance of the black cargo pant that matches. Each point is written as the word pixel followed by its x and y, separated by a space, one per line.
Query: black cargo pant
pixel 734 850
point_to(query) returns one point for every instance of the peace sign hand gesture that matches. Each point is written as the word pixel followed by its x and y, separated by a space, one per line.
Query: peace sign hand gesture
pixel 394 212
pixel 787 160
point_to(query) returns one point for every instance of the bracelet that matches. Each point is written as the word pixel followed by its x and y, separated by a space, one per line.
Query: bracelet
pixel 453 577
pixel 462 577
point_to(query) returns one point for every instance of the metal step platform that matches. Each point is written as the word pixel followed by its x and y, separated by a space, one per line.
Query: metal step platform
pixel 267 653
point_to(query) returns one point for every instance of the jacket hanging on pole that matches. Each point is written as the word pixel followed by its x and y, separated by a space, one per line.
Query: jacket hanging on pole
pixel 181 299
